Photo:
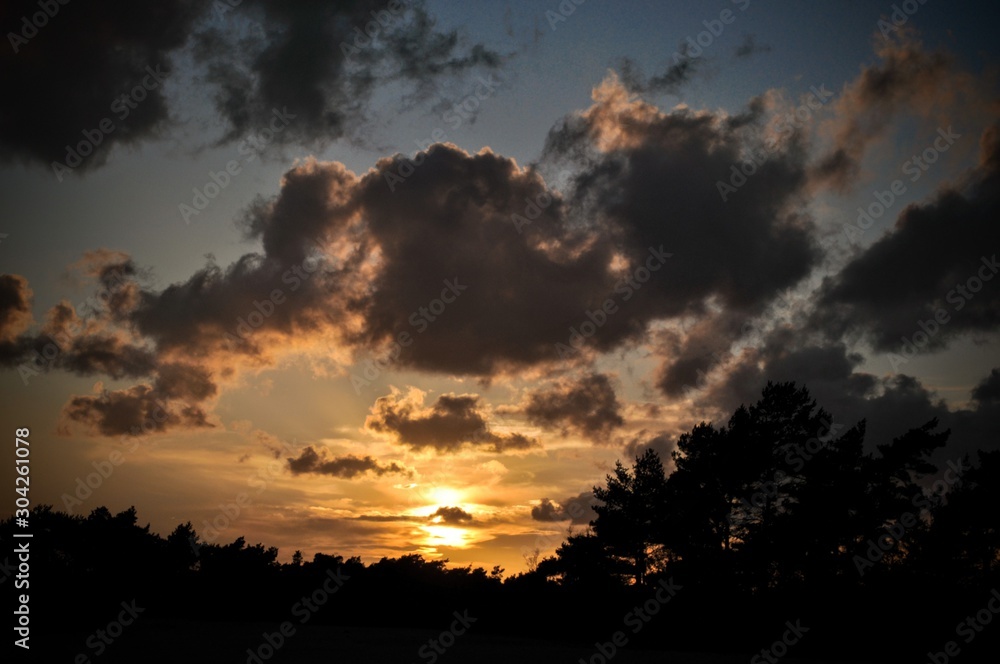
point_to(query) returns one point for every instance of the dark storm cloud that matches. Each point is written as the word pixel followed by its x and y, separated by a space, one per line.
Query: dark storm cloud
pixel 511 268
pixel 15 306
pixel 827 370
pixel 180 381
pixel 453 422
pixel 98 345
pixel 932 278
pixel 238 310
pixel 101 68
pixel 988 391
pixel 89 344
pixel 73 72
pixel 520 266
pixel 451 515
pixel 576 509
pixel 138 409
pixel 536 263
pixel 907 79
pixel 588 406
pixel 453 218
pixel 547 511
pixel 319 461
pixel 694 352
pixel 655 179
pixel 979 427
pixel 316 60
pixel 295 289
pixel 661 443
pixel 15 318
pixel 890 405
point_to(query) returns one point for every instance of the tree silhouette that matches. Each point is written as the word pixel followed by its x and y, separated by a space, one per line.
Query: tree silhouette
pixel 629 518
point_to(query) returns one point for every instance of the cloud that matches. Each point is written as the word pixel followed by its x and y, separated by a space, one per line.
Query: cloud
pixel 319 461
pixel 107 62
pixel 916 288
pixel 547 511
pixel 315 60
pixel 440 255
pixel 670 81
pixel 655 177
pixel 662 443
pixel 137 410
pixel 451 516
pixel 453 422
pixel 15 318
pixel 888 404
pixel 577 509
pixel 74 73
pixel 103 344
pixel 588 406
pixel 15 306
pixel 988 391
pixel 906 79
pixel 488 268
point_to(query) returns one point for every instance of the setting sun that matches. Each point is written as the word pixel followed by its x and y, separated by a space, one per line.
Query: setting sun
pixel 447 536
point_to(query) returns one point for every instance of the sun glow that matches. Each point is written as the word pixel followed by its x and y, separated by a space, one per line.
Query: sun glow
pixel 445 497
pixel 449 536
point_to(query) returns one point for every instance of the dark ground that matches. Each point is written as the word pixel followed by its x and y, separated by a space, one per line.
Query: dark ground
pixel 216 643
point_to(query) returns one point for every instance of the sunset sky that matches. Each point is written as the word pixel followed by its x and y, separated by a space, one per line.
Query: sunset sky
pixel 454 272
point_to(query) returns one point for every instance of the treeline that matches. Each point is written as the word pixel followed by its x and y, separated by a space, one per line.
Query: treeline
pixel 779 515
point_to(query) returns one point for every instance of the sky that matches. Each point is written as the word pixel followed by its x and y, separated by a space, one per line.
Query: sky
pixel 377 278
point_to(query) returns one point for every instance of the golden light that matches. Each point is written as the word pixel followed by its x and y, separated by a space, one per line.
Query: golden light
pixel 445 497
pixel 449 536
